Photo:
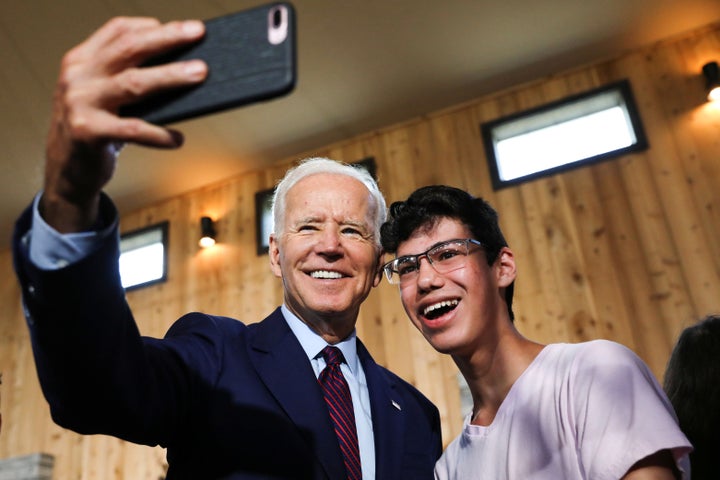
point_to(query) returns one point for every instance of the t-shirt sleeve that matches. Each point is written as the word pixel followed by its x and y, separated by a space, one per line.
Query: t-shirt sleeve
pixel 622 414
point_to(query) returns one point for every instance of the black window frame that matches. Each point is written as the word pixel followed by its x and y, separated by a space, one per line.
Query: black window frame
pixel 622 86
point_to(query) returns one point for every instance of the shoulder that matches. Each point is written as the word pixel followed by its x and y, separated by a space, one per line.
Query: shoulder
pixel 200 343
pixel 199 323
pixel 224 334
pixel 606 365
pixel 594 347
pixel 409 391
pixel 605 369
pixel 601 346
pixel 200 334
pixel 599 368
pixel 575 358
pixel 377 375
pixel 604 354
pixel 403 409
pixel 398 382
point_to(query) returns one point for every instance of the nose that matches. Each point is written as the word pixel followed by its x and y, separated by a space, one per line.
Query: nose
pixel 329 241
pixel 427 276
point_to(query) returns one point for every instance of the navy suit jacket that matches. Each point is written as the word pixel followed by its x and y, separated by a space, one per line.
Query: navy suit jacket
pixel 227 400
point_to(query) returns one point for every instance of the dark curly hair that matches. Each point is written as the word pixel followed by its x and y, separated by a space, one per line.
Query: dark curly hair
pixel 692 383
pixel 426 206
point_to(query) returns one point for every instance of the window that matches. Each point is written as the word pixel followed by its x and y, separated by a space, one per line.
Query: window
pixel 583 129
pixel 263 219
pixel 143 256
pixel 368 164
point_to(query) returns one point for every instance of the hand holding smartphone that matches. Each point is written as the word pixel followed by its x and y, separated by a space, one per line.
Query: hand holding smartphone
pixel 250 56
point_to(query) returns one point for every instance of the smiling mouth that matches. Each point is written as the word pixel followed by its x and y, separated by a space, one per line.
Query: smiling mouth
pixel 436 310
pixel 325 274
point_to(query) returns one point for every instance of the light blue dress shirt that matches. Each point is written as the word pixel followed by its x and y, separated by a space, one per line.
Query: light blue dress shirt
pixel 51 250
pixel 354 374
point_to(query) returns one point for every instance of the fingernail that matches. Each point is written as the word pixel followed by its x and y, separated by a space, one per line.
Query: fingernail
pixel 193 27
pixel 177 138
pixel 195 68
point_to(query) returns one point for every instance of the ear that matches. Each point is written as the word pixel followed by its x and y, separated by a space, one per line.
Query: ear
pixel 506 271
pixel 379 270
pixel 274 254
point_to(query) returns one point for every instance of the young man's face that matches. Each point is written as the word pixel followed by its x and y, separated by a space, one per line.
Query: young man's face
pixel 327 255
pixel 460 310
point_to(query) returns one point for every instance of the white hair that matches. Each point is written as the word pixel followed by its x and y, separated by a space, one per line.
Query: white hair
pixel 319 165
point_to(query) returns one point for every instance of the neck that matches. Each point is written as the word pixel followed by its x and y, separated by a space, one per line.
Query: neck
pixel 333 327
pixel 491 371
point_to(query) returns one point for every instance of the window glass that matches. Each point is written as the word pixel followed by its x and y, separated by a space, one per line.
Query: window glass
pixel 143 256
pixel 590 127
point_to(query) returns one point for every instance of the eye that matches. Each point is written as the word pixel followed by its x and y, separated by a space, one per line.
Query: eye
pixel 406 266
pixel 446 253
pixel 351 231
pixel 306 228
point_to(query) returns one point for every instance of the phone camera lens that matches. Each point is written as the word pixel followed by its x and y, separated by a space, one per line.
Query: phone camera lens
pixel 277 18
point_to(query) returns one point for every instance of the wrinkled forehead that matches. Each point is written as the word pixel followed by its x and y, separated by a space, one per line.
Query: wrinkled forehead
pixel 334 192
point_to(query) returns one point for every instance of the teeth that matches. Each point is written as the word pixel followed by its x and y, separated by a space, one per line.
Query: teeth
pixel 444 303
pixel 325 274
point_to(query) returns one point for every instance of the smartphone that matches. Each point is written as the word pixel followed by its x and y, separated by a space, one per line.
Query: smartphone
pixel 250 56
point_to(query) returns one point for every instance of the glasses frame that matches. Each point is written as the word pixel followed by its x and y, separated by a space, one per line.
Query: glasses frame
pixel 390 267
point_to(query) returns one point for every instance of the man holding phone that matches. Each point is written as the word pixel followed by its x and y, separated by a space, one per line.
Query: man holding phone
pixel 227 400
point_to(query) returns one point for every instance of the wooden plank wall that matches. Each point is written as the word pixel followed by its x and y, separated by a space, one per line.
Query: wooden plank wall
pixel 628 249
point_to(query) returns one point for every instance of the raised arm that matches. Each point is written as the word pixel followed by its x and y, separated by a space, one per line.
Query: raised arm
pixel 96 78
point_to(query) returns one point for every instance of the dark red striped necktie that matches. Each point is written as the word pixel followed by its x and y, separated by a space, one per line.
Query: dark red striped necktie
pixel 339 401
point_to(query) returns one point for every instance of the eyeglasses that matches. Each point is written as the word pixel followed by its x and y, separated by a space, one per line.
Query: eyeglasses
pixel 444 257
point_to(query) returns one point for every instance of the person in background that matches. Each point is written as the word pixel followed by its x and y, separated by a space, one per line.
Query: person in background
pixel 591 410
pixel 692 383
pixel 293 396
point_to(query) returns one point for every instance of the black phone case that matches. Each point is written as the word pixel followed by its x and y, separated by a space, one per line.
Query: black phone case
pixel 245 66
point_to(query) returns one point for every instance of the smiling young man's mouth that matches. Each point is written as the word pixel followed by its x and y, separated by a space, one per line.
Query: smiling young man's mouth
pixel 439 309
pixel 325 274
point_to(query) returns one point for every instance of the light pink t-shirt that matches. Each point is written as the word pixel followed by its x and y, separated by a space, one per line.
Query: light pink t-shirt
pixel 579 411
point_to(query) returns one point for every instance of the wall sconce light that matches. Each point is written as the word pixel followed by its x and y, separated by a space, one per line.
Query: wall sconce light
pixel 711 72
pixel 207 232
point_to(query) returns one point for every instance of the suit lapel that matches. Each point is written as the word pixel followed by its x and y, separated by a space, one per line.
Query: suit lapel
pixel 282 365
pixel 387 416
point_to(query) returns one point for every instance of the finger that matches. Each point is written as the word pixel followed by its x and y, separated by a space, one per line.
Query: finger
pixel 134 46
pixel 115 28
pixel 128 41
pixel 92 126
pixel 94 49
pixel 134 84
pixel 137 131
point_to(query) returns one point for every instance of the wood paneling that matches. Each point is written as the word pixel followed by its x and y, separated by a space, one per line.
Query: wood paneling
pixel 628 249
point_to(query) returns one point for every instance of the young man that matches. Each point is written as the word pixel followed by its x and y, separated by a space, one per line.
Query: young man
pixel 227 400
pixel 560 411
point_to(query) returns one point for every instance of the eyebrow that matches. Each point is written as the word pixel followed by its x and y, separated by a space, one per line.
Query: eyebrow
pixel 307 220
pixel 359 224
pixel 354 223
pixel 427 249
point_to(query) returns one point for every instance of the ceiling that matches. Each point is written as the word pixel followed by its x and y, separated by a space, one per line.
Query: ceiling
pixel 362 65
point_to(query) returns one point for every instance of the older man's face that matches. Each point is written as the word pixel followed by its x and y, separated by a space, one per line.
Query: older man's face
pixel 327 254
